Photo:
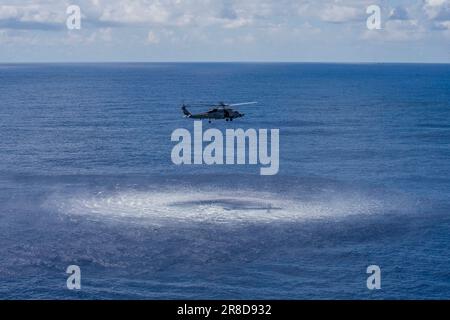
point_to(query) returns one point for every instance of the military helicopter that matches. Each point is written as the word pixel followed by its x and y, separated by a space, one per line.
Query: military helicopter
pixel 217 112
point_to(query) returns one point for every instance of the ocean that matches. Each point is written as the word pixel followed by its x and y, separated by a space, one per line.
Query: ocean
pixel 86 179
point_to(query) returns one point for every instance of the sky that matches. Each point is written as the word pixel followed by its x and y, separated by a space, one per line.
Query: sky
pixel 225 30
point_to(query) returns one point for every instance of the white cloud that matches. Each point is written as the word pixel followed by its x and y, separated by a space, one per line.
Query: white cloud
pixel 237 23
pixel 14 37
pixel 129 12
pixel 197 25
pixel 399 13
pixel 397 31
pixel 239 40
pixel 8 12
pixel 152 38
pixel 437 9
pixel 30 16
pixel 341 14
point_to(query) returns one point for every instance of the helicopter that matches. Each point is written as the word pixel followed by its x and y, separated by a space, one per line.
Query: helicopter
pixel 217 112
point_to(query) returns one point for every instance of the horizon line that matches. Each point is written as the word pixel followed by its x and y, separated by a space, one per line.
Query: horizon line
pixel 221 61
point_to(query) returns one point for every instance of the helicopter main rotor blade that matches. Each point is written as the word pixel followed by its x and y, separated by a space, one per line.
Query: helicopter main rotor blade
pixel 242 104
pixel 201 105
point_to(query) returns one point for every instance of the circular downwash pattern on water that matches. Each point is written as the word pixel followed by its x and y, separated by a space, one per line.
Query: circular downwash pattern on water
pixel 231 206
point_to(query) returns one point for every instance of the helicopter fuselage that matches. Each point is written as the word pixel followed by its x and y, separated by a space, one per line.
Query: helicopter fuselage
pixel 217 114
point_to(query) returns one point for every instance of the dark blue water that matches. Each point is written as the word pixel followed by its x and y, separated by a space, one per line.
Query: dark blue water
pixel 86 178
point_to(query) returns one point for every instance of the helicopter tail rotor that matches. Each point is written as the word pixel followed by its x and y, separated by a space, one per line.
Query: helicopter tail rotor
pixel 186 111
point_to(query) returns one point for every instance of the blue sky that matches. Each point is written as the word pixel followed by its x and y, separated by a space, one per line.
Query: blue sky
pixel 225 30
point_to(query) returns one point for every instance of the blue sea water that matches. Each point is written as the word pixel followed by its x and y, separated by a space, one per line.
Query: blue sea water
pixel 86 179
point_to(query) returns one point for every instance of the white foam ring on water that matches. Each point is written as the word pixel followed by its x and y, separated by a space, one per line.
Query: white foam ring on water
pixel 214 207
